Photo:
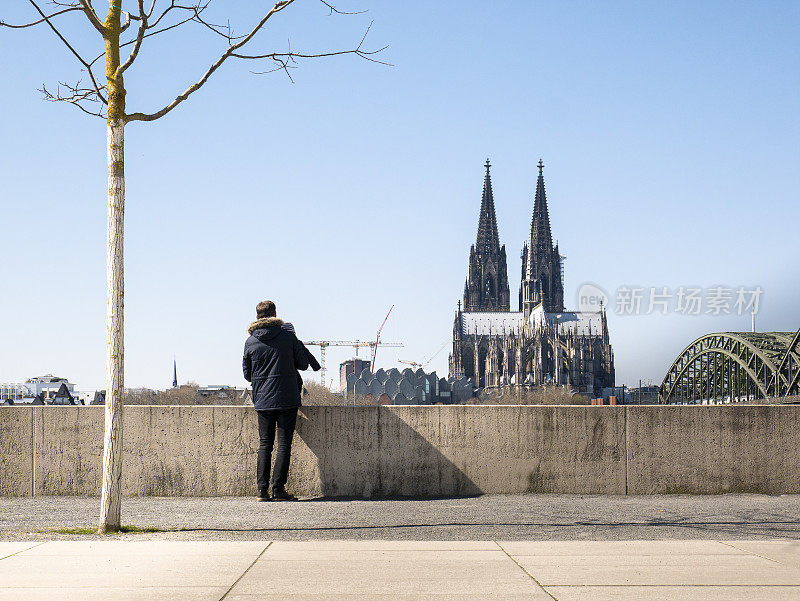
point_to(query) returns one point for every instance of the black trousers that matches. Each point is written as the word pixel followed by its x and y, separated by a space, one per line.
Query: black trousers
pixel 282 420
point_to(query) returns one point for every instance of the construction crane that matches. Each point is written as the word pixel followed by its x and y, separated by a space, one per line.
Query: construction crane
pixel 378 339
pixel 356 344
pixel 417 365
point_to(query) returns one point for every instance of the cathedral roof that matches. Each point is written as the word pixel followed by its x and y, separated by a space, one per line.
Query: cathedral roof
pixel 483 324
pixel 583 323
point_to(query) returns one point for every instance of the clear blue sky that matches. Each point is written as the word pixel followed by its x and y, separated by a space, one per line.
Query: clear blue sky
pixel 669 131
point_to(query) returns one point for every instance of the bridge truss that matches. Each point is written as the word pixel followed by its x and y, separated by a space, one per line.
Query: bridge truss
pixel 733 367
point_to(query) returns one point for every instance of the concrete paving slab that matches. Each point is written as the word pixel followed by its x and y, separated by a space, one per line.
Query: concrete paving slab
pixel 277 553
pixel 627 547
pixel 745 562
pixel 398 570
pixel 675 593
pixel 785 552
pixel 412 574
pixel 762 572
pixel 148 548
pixel 442 595
pixel 383 570
pixel 384 545
pixel 184 593
pixel 370 584
pixel 10 548
pixel 125 564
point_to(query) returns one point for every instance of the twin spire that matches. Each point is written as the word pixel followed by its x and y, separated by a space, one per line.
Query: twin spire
pixel 542 280
pixel 541 240
pixel 488 238
pixel 541 237
pixel 486 288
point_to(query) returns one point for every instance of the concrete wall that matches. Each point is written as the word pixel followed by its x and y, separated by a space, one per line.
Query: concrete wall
pixel 413 451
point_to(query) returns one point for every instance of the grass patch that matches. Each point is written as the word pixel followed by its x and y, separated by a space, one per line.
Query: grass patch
pixel 72 530
pixel 139 530
pixel 123 530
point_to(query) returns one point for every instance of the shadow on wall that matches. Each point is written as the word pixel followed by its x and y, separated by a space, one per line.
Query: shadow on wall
pixel 371 452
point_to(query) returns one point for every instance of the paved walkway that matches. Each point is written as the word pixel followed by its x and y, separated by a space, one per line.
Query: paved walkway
pixel 154 570
pixel 489 517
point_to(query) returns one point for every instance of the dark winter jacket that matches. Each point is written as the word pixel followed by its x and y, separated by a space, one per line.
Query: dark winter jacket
pixel 272 356
pixel 312 360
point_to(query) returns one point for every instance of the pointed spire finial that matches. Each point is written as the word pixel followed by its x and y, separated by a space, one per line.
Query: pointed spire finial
pixel 488 240
pixel 541 166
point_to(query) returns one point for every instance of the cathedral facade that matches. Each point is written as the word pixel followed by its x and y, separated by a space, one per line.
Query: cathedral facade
pixel 541 343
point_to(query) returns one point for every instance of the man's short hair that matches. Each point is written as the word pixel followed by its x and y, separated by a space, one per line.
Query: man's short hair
pixel 265 309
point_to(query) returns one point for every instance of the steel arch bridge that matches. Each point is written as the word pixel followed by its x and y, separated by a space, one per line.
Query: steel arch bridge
pixel 733 367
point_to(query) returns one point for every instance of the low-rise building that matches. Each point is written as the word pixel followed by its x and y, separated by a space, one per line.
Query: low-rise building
pixel 407 387
pixel 44 390
pixel 48 386
pixel 351 367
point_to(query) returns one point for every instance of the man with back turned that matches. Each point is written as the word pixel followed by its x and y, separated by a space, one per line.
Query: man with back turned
pixel 272 357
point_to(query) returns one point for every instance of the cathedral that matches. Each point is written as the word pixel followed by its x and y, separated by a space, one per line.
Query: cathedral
pixel 541 343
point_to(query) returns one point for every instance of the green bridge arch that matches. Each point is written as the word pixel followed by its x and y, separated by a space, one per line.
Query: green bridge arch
pixel 735 366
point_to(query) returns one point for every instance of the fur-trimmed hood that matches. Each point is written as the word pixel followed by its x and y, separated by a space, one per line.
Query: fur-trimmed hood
pixel 264 323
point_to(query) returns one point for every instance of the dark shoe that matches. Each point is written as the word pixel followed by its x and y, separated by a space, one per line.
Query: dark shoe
pixel 263 498
pixel 280 494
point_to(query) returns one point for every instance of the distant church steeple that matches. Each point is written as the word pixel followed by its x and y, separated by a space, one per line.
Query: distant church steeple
pixel 486 288
pixel 541 262
pixel 174 373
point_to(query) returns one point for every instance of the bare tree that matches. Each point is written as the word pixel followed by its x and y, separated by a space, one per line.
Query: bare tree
pixel 123 33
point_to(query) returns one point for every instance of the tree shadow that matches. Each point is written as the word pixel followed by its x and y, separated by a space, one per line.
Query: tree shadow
pixel 372 453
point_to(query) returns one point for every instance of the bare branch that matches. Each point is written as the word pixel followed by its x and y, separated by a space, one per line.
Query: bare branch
pixel 139 37
pixel 333 9
pixel 279 6
pixel 278 56
pixel 76 95
pixel 223 31
pixel 147 35
pixel 283 65
pixel 92 16
pixel 42 20
pixel 97 87
pixel 152 8
pixel 195 8
pixel 290 55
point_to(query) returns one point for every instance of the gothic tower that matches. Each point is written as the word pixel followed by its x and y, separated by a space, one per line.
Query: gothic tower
pixel 541 263
pixel 486 288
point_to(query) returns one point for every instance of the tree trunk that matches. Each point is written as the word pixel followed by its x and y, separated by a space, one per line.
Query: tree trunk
pixel 111 493
pixel 111 501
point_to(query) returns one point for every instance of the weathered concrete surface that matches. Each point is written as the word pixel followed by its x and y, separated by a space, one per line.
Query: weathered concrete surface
pixel 384 570
pixel 713 449
pixel 168 450
pixel 457 451
pixel 413 451
pixel 68 446
pixel 16 451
